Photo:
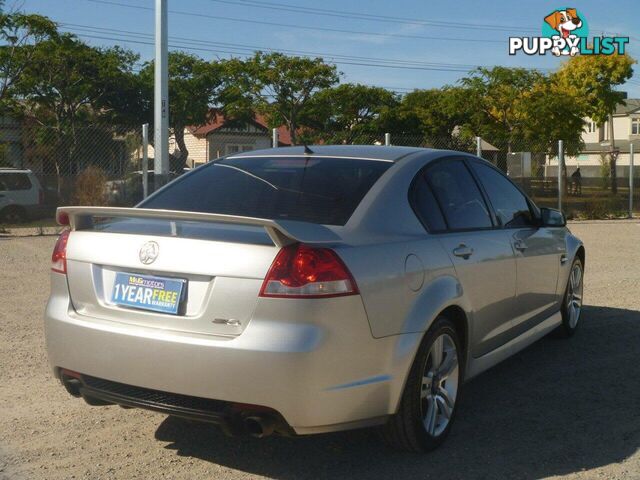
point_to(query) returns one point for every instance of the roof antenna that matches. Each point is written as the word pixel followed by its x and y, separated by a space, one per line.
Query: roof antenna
pixel 307 150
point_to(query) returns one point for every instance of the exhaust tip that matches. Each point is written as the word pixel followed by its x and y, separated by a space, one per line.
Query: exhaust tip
pixel 259 427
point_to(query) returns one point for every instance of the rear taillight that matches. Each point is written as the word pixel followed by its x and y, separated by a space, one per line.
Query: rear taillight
pixel 59 256
pixel 301 271
pixel 40 197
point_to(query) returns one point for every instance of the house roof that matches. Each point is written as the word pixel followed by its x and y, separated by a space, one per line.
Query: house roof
pixel 218 120
pixel 632 104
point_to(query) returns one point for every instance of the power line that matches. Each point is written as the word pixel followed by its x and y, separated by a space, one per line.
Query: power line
pixel 305 27
pixel 371 17
pixel 384 18
pixel 246 50
pixel 236 52
pixel 81 29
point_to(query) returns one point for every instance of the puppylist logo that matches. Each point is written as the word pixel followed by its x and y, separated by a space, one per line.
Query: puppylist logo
pixel 566 32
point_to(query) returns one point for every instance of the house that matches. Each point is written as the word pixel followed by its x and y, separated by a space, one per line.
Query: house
pixel 597 145
pixel 221 136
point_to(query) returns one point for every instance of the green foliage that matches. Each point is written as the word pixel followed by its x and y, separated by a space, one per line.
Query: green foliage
pixel 69 81
pixel 592 79
pixel 497 98
pixel 351 109
pixel 277 85
pixel 19 35
pixel 435 113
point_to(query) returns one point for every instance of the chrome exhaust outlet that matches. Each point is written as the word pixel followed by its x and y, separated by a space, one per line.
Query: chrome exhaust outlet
pixel 259 427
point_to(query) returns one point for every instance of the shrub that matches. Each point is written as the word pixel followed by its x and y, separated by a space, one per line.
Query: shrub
pixel 601 208
pixel 90 187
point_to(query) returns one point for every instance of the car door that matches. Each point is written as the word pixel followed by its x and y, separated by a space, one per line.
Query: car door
pixel 17 189
pixel 481 254
pixel 537 250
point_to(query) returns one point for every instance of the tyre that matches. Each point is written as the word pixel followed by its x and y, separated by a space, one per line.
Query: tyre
pixel 572 300
pixel 13 214
pixel 430 398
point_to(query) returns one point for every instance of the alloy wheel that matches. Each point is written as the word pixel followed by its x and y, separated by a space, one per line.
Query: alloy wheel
pixel 574 295
pixel 440 382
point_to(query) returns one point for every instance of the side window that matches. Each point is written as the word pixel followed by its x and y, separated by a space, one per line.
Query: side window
pixel 458 195
pixel 425 205
pixel 14 181
pixel 510 205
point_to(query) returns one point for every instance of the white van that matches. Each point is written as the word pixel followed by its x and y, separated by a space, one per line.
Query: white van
pixel 21 195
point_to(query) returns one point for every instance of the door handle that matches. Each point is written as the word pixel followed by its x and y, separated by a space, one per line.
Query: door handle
pixel 463 251
pixel 519 245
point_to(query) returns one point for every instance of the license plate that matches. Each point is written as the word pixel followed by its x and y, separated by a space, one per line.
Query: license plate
pixel 146 292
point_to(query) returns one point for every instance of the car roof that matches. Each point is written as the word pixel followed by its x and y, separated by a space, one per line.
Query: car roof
pixel 370 152
pixel 14 170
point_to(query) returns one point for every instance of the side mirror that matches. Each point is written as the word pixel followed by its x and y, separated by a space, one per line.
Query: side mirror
pixel 552 217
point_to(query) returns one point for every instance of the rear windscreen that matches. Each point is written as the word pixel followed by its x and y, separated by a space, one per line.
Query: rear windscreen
pixel 310 189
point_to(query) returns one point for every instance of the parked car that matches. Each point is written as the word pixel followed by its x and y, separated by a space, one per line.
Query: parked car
pixel 301 291
pixel 21 195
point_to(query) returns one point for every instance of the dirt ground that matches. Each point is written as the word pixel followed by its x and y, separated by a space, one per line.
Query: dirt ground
pixel 568 409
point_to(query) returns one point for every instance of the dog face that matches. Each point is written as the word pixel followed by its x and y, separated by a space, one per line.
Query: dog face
pixel 564 21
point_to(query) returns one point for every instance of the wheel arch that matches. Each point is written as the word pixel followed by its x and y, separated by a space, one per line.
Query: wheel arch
pixel 454 312
pixel 581 254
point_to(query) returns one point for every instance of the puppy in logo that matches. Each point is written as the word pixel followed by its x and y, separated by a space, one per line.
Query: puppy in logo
pixel 565 22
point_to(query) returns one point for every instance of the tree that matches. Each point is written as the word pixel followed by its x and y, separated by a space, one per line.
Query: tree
pixel 194 86
pixel 19 35
pixel 497 97
pixel 348 110
pixel 435 113
pixel 592 79
pixel 69 84
pixel 276 85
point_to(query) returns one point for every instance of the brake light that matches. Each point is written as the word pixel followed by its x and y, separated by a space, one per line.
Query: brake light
pixel 59 256
pixel 301 271
pixel 62 218
pixel 40 196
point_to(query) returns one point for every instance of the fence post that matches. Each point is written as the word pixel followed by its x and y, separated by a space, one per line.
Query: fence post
pixel 560 165
pixel 145 160
pixel 387 139
pixel 479 147
pixel 631 180
pixel 274 139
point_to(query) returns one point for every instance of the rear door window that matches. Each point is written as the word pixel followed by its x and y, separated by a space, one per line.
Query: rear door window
pixel 510 205
pixel 312 189
pixel 14 181
pixel 458 195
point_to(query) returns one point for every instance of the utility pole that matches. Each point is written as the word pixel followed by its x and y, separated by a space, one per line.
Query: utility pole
pixel 161 98
pixel 560 172
pixel 145 160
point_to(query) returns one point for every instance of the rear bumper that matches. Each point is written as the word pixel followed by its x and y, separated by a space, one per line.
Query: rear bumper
pixel 315 362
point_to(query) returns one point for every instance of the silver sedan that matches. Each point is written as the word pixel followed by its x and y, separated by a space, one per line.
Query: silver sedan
pixel 307 290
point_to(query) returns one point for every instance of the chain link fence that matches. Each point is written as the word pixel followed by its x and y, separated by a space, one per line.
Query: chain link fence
pixel 102 165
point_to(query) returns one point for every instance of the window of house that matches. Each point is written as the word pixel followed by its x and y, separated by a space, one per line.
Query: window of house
pixel 236 148
pixel 635 126
pixel 591 127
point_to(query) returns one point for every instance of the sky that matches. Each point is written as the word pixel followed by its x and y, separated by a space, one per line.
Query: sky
pixel 398 44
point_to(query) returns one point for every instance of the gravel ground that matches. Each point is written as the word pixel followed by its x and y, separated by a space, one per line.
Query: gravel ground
pixel 567 409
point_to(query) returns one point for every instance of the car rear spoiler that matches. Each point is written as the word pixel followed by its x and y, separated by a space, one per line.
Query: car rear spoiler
pixel 281 232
